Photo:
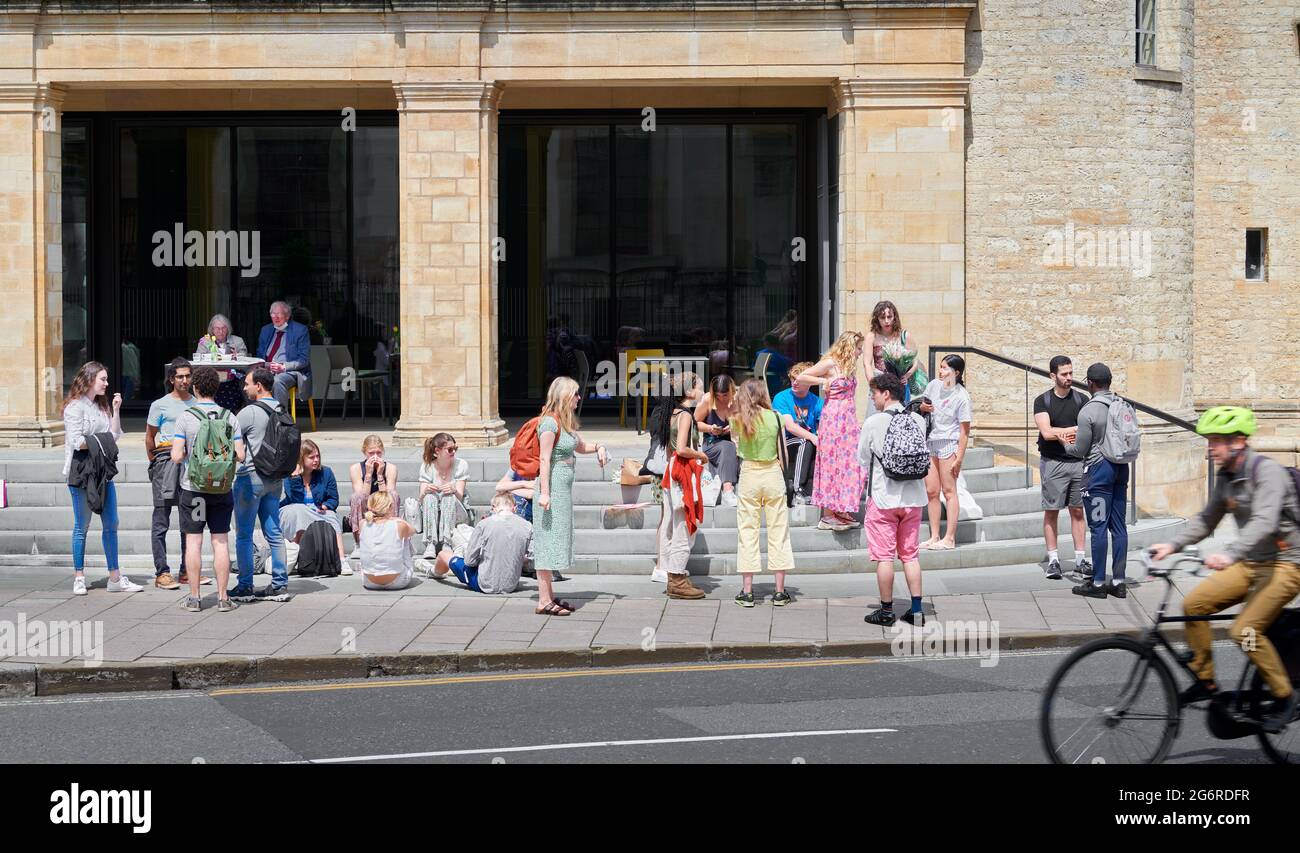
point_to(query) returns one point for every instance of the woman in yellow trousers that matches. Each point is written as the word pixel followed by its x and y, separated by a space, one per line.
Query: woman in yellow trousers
pixel 760 444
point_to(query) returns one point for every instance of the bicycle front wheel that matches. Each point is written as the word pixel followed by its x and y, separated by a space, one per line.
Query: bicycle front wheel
pixel 1112 701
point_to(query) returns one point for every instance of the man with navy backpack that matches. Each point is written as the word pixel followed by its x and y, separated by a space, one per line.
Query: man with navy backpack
pixel 893 449
pixel 1107 441
pixel 273 443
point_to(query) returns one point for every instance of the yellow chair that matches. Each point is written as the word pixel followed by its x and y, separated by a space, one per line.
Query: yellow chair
pixel 632 355
pixel 311 409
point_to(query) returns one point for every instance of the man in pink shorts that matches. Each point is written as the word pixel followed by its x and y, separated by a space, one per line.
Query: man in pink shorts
pixel 894 507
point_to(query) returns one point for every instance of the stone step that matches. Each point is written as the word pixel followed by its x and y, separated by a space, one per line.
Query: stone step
pixel 136 469
pixel 591 493
pixel 630 552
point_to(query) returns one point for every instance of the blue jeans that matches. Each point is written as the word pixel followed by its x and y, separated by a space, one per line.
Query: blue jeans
pixel 81 526
pixel 253 505
pixel 523 506
pixel 467 575
pixel 1105 500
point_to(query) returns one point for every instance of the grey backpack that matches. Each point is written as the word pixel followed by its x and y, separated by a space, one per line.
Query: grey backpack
pixel 906 456
pixel 1123 439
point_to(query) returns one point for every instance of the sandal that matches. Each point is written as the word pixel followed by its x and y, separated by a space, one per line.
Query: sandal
pixel 561 603
pixel 928 545
pixel 554 609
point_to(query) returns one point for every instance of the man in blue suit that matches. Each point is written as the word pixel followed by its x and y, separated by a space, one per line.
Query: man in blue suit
pixel 286 348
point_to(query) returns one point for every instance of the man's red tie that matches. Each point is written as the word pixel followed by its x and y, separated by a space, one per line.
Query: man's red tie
pixel 275 346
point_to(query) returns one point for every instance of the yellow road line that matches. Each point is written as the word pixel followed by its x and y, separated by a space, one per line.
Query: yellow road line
pixel 536 676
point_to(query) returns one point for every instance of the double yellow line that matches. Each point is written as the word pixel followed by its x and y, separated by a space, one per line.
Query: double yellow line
pixel 536 676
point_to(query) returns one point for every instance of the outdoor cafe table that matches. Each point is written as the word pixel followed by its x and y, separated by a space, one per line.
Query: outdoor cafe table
pixel 226 365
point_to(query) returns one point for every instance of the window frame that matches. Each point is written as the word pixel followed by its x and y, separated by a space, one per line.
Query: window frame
pixel 1139 33
pixel 1263 256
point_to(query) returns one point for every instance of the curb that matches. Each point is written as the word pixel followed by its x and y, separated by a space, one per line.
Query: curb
pixel 24 680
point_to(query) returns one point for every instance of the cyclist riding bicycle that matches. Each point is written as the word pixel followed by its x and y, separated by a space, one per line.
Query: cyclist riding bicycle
pixel 1262 564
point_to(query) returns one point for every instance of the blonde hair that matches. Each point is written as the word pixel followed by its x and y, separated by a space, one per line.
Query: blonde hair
pixel 750 402
pixel 501 500
pixel 371 441
pixel 379 505
pixel 844 351
pixel 559 403
pixel 796 369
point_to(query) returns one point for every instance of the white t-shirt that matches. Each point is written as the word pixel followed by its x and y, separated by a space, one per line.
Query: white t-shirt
pixel 459 471
pixel 952 407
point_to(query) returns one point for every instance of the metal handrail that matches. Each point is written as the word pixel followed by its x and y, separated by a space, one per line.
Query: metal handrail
pixel 1141 407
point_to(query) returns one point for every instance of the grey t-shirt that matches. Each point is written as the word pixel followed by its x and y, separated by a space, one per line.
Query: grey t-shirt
pixel 252 423
pixel 187 427
pixel 501 544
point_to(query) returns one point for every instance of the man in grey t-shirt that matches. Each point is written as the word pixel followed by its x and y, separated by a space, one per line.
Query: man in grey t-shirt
pixel 257 499
pixel 502 543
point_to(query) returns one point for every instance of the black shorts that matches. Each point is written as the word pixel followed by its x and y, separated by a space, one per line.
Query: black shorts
pixel 201 511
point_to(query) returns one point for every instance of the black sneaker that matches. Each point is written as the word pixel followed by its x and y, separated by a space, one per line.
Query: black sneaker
pixel 781 599
pixel 915 619
pixel 1198 692
pixel 1282 712
pixel 1084 567
pixel 1117 588
pixel 1054 570
pixel 1090 589
pixel 271 593
pixel 745 599
pixel 880 616
pixel 243 593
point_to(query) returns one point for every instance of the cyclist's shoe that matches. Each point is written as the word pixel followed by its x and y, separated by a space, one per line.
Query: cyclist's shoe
pixel 1198 692
pixel 880 616
pixel 1117 589
pixel 1054 570
pixel 1090 590
pixel 1281 713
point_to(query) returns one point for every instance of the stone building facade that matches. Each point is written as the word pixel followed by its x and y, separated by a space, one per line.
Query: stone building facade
pixel 973 141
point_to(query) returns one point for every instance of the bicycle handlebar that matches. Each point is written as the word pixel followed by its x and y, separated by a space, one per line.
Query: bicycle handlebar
pixel 1177 558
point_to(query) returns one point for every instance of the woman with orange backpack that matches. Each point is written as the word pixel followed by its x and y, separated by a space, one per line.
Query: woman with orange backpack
pixel 558 442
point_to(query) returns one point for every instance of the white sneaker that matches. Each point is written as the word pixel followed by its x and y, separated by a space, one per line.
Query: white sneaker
pixel 79 586
pixel 430 551
pixel 659 576
pixel 346 569
pixel 123 584
pixel 730 499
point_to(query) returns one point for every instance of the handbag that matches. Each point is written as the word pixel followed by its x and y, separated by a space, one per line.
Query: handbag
pixel 785 463
pixel 630 474
pixel 411 514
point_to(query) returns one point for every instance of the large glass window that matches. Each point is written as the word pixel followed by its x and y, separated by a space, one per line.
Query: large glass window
pixel 1146 32
pixel 224 215
pixel 684 238
pixel 76 251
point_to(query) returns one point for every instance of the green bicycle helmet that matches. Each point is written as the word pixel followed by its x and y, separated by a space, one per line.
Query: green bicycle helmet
pixel 1226 420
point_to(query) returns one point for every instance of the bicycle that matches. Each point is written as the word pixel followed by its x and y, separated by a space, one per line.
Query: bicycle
pixel 1134 724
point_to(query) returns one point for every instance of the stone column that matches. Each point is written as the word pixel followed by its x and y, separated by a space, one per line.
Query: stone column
pixel 31 265
pixel 902 201
pixel 447 137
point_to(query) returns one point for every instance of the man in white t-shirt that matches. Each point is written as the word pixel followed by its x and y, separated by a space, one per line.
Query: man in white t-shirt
pixel 893 521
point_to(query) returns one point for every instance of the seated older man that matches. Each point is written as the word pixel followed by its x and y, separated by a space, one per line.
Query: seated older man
pixel 286 348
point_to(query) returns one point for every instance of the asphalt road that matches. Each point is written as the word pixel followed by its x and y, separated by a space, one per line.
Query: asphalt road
pixel 899 710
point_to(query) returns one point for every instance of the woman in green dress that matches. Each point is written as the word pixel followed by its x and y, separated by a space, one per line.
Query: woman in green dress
pixel 557 435
pixel 901 355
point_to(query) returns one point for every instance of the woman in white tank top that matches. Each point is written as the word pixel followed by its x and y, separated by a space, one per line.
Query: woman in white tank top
pixel 387 548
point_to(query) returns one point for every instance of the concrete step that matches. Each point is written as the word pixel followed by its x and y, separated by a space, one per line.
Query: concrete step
pixel 591 493
pixel 136 469
pixel 630 552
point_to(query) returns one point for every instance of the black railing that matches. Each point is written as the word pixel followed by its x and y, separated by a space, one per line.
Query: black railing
pixel 1038 371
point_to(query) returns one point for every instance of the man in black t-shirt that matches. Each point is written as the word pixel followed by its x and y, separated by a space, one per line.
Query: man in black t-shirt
pixel 1056 413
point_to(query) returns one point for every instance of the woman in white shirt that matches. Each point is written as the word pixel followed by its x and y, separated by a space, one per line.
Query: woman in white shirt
pixel 86 412
pixel 950 411
pixel 443 478
pixel 387 549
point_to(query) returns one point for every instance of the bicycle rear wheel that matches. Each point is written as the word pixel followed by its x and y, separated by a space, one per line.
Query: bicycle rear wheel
pixel 1283 747
pixel 1112 701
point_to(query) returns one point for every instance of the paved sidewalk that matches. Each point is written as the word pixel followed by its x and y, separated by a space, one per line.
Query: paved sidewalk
pixel 337 617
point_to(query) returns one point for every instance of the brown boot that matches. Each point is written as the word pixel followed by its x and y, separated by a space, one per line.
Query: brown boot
pixel 680 586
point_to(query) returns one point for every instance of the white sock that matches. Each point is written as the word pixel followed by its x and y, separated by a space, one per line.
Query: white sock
pixel 1080 556
pixel 1053 555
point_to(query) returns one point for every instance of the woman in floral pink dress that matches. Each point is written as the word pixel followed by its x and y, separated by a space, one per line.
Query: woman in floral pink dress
pixel 838 478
